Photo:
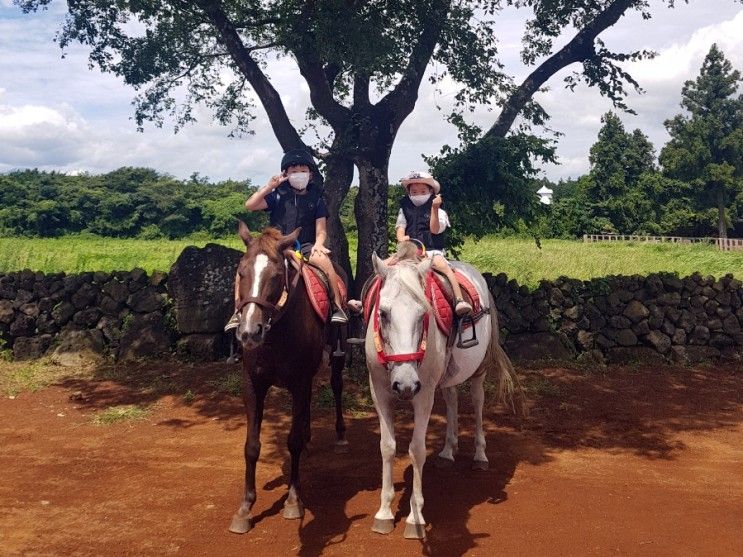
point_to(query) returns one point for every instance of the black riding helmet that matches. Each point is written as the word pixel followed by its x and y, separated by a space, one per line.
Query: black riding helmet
pixel 302 156
pixel 297 156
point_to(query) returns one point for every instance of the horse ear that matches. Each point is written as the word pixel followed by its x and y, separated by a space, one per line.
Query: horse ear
pixel 379 265
pixel 244 232
pixel 288 240
pixel 425 265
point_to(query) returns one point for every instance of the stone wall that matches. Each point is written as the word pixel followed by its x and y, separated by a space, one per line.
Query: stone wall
pixel 622 319
pixel 123 314
pixel 131 315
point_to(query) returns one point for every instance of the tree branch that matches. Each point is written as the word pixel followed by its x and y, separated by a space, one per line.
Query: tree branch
pixel 580 48
pixel 401 100
pixel 269 97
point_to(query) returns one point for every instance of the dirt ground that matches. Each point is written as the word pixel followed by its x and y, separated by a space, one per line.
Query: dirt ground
pixel 635 461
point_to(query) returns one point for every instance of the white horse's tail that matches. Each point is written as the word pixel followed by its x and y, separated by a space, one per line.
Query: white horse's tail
pixel 509 390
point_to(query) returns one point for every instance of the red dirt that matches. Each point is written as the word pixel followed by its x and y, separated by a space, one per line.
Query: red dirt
pixel 637 461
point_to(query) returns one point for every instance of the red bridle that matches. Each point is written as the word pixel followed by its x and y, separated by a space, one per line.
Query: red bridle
pixel 384 358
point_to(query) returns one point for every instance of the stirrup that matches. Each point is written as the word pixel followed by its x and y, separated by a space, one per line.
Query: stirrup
pixel 467 342
pixel 233 323
pixel 339 316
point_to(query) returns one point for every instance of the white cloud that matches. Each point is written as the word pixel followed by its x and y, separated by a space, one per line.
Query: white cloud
pixel 58 114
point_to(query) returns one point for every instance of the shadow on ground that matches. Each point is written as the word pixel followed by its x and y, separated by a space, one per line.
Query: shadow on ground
pixel 636 409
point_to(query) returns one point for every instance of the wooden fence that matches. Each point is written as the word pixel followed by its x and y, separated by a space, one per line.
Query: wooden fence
pixel 726 244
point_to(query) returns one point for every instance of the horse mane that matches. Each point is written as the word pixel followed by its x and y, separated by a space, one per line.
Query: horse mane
pixel 408 276
pixel 268 241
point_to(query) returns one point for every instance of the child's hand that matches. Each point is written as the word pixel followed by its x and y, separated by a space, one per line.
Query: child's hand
pixel 437 201
pixel 276 181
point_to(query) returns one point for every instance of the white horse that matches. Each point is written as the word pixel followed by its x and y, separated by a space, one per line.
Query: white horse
pixel 408 359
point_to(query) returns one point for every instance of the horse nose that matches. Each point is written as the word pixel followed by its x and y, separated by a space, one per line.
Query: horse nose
pixel 406 392
pixel 256 334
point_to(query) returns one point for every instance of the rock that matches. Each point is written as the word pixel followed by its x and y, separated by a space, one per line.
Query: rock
pixel 659 341
pixel 687 321
pixel 30 309
pixel 6 311
pixel 22 326
pixel 619 322
pixel 670 299
pixel 731 325
pixel 205 347
pixel 678 355
pixel 201 285
pixel 158 278
pixel 719 340
pixel 574 313
pixel 30 348
pixel 700 335
pixel 63 312
pixel 87 318
pixel 625 296
pixel 636 311
pixel 108 305
pixel 642 328
pixel 635 355
pixel 85 296
pixel 145 300
pixel 537 346
pixel 605 342
pixel 592 358
pixel 674 314
pixel 78 348
pixel 668 328
pixel 116 290
pixel 731 354
pixel 23 297
pixel 679 337
pixel 626 337
pixel 585 340
pixel 146 336
pixel 111 328
pixel 138 275
pixel 46 324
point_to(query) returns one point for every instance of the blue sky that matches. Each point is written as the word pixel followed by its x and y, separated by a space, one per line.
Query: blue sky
pixel 58 114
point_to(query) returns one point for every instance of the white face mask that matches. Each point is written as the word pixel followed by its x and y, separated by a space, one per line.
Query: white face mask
pixel 299 180
pixel 419 200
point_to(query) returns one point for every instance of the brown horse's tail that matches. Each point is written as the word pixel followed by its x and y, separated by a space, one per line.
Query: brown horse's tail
pixel 509 390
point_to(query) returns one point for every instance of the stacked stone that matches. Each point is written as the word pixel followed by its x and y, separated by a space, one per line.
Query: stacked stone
pixel 623 318
pixel 120 313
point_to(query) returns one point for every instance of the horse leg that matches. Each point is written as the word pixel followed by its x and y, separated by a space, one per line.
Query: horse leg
pixel 336 382
pixel 415 527
pixel 446 456
pixel 477 390
pixel 384 520
pixel 293 506
pixel 253 399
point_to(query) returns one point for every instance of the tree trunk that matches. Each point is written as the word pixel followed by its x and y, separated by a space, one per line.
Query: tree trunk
pixel 338 176
pixel 722 227
pixel 371 214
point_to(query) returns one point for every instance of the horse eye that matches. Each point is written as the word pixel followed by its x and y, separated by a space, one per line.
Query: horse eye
pixel 383 314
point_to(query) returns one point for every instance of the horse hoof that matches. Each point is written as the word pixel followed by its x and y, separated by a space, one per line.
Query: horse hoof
pixel 294 511
pixel 415 531
pixel 480 465
pixel 442 462
pixel 241 524
pixel 383 525
pixel 341 447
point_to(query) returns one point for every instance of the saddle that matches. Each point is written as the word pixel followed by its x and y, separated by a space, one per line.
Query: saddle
pixel 318 290
pixel 439 294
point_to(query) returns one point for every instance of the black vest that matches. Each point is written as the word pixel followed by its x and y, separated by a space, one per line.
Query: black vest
pixel 293 210
pixel 418 221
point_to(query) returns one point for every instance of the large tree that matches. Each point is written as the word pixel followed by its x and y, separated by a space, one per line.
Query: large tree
pixel 706 146
pixel 362 61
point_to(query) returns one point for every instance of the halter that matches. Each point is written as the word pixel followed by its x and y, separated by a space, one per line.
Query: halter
pixel 276 310
pixel 384 358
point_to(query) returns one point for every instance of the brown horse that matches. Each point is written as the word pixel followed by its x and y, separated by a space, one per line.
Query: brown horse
pixel 282 340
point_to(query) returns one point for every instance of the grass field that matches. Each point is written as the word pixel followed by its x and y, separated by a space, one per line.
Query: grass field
pixel 518 258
